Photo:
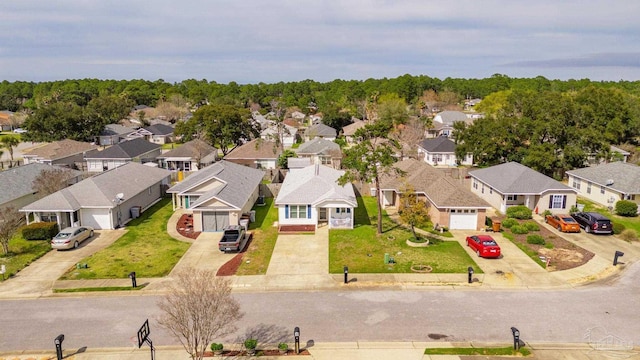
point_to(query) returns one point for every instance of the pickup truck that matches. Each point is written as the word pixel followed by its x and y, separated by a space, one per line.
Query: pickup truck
pixel 234 238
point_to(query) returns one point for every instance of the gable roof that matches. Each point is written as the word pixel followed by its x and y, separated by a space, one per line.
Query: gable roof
pixel 100 190
pixel 442 191
pixel 350 129
pixel 17 182
pixel 124 150
pixel 516 179
pixel 59 149
pixel 625 176
pixel 255 149
pixel 195 148
pixel 440 144
pixel 321 130
pixel 116 129
pixel 239 182
pixel 318 146
pixel 315 184
pixel 159 129
pixel 450 116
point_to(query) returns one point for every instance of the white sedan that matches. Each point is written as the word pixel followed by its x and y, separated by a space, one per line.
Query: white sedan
pixel 71 237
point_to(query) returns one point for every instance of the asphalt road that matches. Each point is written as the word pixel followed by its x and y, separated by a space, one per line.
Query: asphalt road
pixel 609 308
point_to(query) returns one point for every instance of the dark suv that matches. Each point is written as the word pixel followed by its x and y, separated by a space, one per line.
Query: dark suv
pixel 593 222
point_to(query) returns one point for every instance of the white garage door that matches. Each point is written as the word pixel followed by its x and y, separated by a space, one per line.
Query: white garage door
pixel 96 218
pixel 463 219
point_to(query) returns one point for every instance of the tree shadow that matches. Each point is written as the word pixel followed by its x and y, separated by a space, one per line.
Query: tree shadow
pixel 361 216
pixel 267 334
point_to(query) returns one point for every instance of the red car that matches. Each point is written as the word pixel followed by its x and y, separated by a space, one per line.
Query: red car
pixel 484 245
pixel 564 223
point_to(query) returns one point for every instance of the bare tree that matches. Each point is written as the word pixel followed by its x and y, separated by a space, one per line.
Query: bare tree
pixel 51 180
pixel 10 220
pixel 199 308
pixel 410 135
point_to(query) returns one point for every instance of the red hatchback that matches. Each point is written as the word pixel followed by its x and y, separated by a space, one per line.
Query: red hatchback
pixel 484 246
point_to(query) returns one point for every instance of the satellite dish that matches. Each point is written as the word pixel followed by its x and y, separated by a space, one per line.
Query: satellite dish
pixel 120 196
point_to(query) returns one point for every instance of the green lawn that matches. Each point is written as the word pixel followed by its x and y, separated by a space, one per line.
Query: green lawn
pixel 363 251
pixel 628 222
pixel 508 351
pixel 22 253
pixel 263 240
pixel 146 248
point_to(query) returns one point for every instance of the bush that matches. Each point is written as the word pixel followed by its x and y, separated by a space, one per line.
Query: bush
pixel 546 212
pixel 40 231
pixel 250 343
pixel 283 346
pixel 617 227
pixel 535 239
pixel 548 245
pixel 626 208
pixel 216 347
pixel 531 226
pixel 519 229
pixel 574 209
pixel 508 223
pixel 629 235
pixel 519 212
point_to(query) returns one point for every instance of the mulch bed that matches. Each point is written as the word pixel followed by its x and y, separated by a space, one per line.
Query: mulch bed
pixel 229 353
pixel 185 227
pixel 297 229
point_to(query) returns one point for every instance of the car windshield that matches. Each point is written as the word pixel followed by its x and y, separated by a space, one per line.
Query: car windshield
pixel 489 243
pixel 568 219
pixel 63 235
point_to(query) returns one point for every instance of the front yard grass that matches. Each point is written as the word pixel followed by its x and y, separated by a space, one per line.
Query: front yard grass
pixel 363 251
pixel 22 253
pixel 255 260
pixel 145 248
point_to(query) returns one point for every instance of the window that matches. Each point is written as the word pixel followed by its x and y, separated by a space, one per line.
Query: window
pixel 557 201
pixel 48 217
pixel 475 184
pixel 588 188
pixel 490 190
pixel 602 189
pixel 576 184
pixel 325 160
pixel 343 210
pixel 482 188
pixel 512 197
pixel 297 211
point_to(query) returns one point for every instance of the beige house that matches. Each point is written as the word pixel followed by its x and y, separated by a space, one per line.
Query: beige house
pixel 606 184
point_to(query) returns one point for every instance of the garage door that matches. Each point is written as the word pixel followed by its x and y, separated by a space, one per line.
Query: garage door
pixel 214 221
pixel 96 218
pixel 463 219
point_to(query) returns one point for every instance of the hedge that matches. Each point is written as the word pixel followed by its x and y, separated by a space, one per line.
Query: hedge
pixel 40 231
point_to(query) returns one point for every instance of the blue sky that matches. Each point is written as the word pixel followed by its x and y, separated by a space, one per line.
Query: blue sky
pixel 250 41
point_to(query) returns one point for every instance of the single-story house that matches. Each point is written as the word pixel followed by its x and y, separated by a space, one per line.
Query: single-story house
pixel 190 156
pixel 17 188
pixel 450 204
pixel 441 151
pixel 113 134
pixel 321 151
pixel 289 134
pixel 606 184
pixel 320 130
pixel 311 196
pixel 257 153
pixel 443 123
pixel 136 150
pixel 64 152
pixel 512 184
pixel 157 134
pixel 104 201
pixel 218 195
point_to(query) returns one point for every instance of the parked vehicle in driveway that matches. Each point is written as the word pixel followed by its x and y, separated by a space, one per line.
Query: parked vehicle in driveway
pixel 234 238
pixel 593 222
pixel 484 246
pixel 564 223
pixel 71 237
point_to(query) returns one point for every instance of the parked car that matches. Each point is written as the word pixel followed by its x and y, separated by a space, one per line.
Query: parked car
pixel 71 237
pixel 593 222
pixel 564 223
pixel 19 130
pixel 484 245
pixel 234 238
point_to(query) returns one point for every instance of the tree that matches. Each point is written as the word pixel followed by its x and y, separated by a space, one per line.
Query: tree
pixel 10 142
pixel 10 220
pixel 283 159
pixel 51 180
pixel 199 308
pixel 224 126
pixel 413 211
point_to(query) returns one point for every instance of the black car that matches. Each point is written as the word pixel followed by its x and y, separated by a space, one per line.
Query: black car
pixel 593 222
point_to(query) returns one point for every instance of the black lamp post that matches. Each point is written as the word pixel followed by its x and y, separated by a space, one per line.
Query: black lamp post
pixel 58 342
pixel 516 338
pixel 296 335
pixel 346 274
pixel 470 272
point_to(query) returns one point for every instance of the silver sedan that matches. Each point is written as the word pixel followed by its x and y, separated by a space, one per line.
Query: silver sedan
pixel 71 237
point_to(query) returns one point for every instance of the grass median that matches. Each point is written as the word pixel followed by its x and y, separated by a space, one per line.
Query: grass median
pixel 255 260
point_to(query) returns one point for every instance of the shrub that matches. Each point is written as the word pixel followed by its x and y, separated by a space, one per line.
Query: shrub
pixel 488 221
pixel 250 343
pixel 507 223
pixel 548 245
pixel 283 346
pixel 519 212
pixel 40 231
pixel 535 239
pixel 546 212
pixel 216 347
pixel 519 229
pixel 629 235
pixel 626 208
pixel 531 226
pixel 574 209
pixel 617 227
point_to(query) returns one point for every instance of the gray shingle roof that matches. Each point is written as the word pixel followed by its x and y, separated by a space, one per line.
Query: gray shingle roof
pixel 100 190
pixel 59 149
pixel 255 149
pixel 192 149
pixel 441 144
pixel 513 178
pixel 116 129
pixel 625 176
pixel 18 181
pixel 449 116
pixel 441 190
pixel 239 183
pixel 159 129
pixel 314 184
pixel 321 130
pixel 318 146
pixel 124 150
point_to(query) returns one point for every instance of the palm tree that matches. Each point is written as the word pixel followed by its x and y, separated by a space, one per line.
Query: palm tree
pixel 9 142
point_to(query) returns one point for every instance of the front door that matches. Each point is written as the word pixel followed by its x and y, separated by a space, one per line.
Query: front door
pixel 322 215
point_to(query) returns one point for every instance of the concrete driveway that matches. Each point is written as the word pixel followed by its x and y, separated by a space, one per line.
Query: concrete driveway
pixel 39 276
pixel 301 254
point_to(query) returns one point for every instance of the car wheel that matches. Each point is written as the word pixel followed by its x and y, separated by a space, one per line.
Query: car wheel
pixel 478 253
pixel 587 229
pixel 75 245
pixel 91 233
pixel 546 220
pixel 559 228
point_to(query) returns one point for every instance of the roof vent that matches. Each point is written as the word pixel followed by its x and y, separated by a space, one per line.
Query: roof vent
pixel 609 182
